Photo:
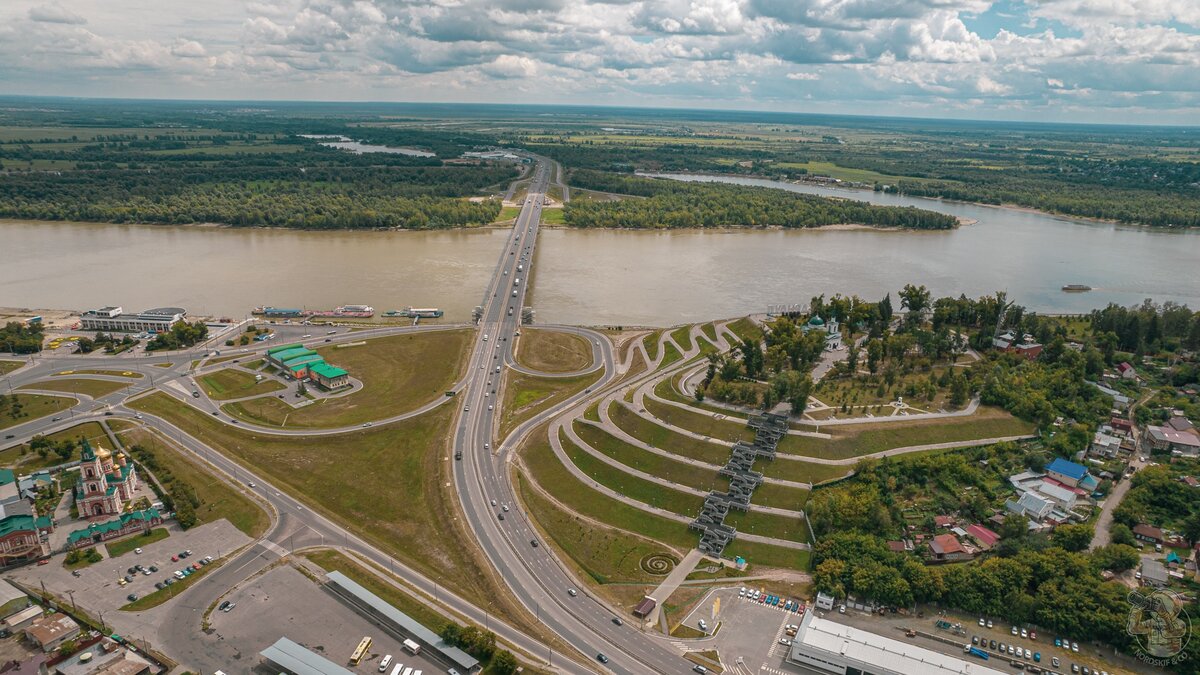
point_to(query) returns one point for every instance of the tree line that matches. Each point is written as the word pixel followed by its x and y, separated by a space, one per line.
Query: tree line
pixel 20 338
pixel 672 204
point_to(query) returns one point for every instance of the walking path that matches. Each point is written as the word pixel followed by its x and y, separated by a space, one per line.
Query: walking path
pixel 672 582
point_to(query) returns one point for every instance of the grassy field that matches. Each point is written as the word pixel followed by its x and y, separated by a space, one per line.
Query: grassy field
pixel 648 462
pixel 801 471
pixel 769 525
pixel 19 457
pixel 218 499
pixel 399 373
pixel 385 484
pixel 661 437
pixel 7 366
pixel 746 330
pixel 95 371
pixel 93 388
pixel 508 213
pixel 554 217
pixel 651 342
pixel 228 383
pixel 710 331
pixel 120 547
pixel 699 423
pixel 768 555
pixel 630 486
pixel 846 174
pixel 545 469
pixel 780 496
pixel 683 337
pixel 551 351
pixel 34 406
pixel 666 390
pixel 605 555
pixel 670 355
pixel 526 395
pixel 863 439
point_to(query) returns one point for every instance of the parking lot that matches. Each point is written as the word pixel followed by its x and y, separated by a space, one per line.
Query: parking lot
pixel 749 631
pixel 286 603
pixel 1088 655
pixel 97 587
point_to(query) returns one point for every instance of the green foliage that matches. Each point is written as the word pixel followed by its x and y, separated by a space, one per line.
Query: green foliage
pixel 673 204
pixel 181 335
pixel 19 338
pixel 1157 496
pixel 1072 537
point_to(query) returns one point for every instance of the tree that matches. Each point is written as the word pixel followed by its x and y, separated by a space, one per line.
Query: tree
pixel 1073 537
pixel 1116 557
pixel 1191 527
pixel 504 663
pixel 914 298
pixel 1121 534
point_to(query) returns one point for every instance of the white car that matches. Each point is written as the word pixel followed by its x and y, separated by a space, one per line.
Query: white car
pixel 137 551
pixel 384 663
pixel 1024 633
pixel 742 592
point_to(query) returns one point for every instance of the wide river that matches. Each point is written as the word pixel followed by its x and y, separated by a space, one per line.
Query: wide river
pixel 597 277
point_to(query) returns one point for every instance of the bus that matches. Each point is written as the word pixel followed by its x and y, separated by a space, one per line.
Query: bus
pixel 360 651
pixel 412 647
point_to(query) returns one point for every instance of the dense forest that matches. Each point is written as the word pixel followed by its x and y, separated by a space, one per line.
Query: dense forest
pixel 319 198
pixel 671 204
pixel 19 338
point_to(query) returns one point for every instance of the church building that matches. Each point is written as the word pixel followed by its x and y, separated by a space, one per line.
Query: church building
pixel 106 484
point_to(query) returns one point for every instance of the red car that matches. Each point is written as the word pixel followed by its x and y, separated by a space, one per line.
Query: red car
pixel 196 566
pixel 174 558
pixel 44 561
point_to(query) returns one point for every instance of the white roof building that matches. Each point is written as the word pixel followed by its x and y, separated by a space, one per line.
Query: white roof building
pixel 827 646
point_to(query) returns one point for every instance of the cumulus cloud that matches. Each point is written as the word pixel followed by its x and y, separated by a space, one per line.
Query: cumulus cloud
pixel 54 14
pixel 919 55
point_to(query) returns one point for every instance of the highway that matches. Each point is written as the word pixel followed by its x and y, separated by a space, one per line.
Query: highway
pixel 484 484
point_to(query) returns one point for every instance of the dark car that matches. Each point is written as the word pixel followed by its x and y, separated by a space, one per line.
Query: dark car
pixel 223 605
pixel 500 516
pixel 533 543
pixel 128 578
pixel 132 597
pixel 153 568
pixel 602 658
pixel 617 620
pixel 159 585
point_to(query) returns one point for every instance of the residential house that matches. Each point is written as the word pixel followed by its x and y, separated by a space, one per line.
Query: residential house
pixel 1104 445
pixel 49 632
pixel 1063 498
pixel 983 536
pixel 947 548
pixel 1120 401
pixel 1154 574
pixel 1127 371
pixel 1031 505
pixel 1169 439
pixel 1072 474
pixel 1180 423
pixel 943 521
pixel 1121 426
pixel 1148 533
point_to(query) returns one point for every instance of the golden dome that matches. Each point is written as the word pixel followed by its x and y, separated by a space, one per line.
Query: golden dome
pixel 102 453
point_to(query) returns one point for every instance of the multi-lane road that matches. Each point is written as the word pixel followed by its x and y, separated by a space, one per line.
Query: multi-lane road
pixel 532 572
pixel 535 576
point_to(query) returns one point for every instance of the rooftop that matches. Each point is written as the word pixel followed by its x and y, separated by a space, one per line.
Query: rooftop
pixel 888 656
pixel 1067 468
pixel 300 661
pixel 325 370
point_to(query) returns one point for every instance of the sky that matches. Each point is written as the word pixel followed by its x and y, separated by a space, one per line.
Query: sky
pixel 1118 61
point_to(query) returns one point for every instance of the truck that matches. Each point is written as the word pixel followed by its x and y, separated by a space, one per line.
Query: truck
pixel 412 647
pixel 977 652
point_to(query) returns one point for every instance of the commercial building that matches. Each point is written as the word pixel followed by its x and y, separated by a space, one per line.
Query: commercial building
pixel 114 319
pixel 288 657
pixel 329 377
pixel 830 647
pixel 103 657
pixel 1167 437
pixel 20 533
pixel 49 632
pixel 378 610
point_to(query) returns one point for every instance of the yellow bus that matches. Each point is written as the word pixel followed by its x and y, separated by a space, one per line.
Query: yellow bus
pixel 360 651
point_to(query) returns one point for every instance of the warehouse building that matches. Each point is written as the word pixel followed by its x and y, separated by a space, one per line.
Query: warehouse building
pixel 330 377
pixel 830 647
pixel 285 656
pixel 114 319
pixel 301 363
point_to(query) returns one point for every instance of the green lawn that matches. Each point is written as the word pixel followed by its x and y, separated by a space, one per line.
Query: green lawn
pixel 508 213
pixel 648 462
pixel 24 461
pixel 605 555
pixel 33 406
pixel 118 548
pixel 801 471
pixel 218 499
pixel 399 373
pixel 670 355
pixel 651 342
pixel 666 390
pixel 527 395
pixel 862 439
pixel 386 484
pixel 93 388
pixel 554 217
pixel 550 351
pixel 553 477
pixel 746 330
pixel 769 525
pixel 710 331
pixel 95 371
pixel 683 337
pixel 780 496
pixel 228 383
pixel 7 366
pixel 661 437
pixel 699 423
pixel 635 488
pixel 768 555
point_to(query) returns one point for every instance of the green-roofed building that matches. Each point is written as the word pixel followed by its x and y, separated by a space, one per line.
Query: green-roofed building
pixel 127 523
pixel 19 539
pixel 284 348
pixel 280 358
pixel 329 377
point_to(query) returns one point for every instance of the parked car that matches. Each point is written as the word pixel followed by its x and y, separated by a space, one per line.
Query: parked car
pixel 132 597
